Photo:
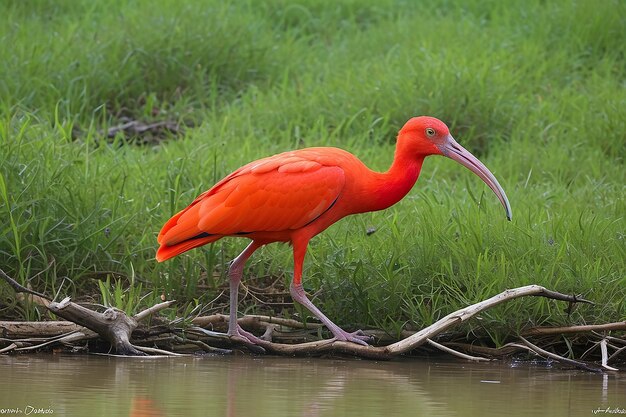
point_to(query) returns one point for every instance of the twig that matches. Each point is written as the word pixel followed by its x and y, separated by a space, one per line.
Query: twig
pixel 269 331
pixel 611 338
pixel 72 338
pixel 202 345
pixel 457 353
pixel 9 348
pixel 282 321
pixel 616 353
pixel 268 324
pixel 156 351
pixel 537 331
pixel 546 354
pixel 503 351
pixel 20 288
pixel 605 356
pixel 63 338
pixel 588 351
pixel 137 127
pixel 152 310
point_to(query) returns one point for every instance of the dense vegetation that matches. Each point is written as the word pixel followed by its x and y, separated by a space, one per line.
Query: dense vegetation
pixel 535 89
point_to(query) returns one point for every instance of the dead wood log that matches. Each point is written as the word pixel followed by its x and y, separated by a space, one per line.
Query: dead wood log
pixel 113 325
pixel 37 329
pixel 33 335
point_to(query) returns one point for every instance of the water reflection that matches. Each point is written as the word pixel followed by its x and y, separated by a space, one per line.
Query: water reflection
pixel 145 407
pixel 265 386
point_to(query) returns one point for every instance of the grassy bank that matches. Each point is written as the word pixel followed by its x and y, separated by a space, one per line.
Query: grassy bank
pixel 535 90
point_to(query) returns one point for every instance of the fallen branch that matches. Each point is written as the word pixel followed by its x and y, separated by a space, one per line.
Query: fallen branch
pixel 138 128
pixel 605 356
pixel 492 352
pixel 420 337
pixel 156 351
pixel 457 353
pixel 9 348
pixel 202 345
pixel 18 288
pixel 39 329
pixel 468 312
pixel 153 310
pixel 540 331
pixel 113 325
pixel 68 340
pixel 616 353
pixel 221 320
pixel 116 327
pixel 578 364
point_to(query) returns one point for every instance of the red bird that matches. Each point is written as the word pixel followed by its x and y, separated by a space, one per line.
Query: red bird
pixel 293 196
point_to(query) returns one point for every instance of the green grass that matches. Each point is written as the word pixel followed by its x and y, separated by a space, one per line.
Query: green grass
pixel 535 89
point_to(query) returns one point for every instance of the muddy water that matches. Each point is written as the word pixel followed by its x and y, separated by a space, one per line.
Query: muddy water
pixel 253 386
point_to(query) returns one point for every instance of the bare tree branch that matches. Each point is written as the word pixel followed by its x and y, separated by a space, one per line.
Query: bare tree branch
pixel 539 331
pixel 575 363
pixel 20 288
pixel 457 353
pixel 153 310
pixel 113 325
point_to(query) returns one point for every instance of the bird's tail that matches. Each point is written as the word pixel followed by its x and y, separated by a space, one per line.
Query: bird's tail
pixel 180 239
pixel 166 252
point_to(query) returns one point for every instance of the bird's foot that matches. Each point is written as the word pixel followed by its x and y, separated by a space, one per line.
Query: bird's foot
pixel 238 332
pixel 250 341
pixel 358 337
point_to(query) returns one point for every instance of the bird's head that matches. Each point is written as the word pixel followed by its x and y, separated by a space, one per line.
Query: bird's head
pixel 423 136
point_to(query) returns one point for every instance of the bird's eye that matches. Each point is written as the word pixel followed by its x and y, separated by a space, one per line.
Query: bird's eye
pixel 430 132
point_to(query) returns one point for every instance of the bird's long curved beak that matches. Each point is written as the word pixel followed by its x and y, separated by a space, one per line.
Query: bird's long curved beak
pixel 453 150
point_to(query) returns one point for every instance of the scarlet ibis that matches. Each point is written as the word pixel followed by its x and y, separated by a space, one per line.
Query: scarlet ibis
pixel 293 196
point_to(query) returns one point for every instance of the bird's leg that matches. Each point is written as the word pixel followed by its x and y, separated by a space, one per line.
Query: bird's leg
pixel 235 272
pixel 298 294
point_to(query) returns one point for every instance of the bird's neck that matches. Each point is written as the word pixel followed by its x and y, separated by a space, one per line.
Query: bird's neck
pixel 391 186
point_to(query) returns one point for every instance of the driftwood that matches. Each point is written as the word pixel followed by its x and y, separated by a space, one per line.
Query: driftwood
pixel 37 329
pixel 539 331
pixel 577 364
pixel 282 336
pixel 113 325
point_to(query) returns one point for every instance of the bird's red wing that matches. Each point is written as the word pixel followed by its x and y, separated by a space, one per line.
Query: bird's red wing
pixel 280 193
pixel 174 220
